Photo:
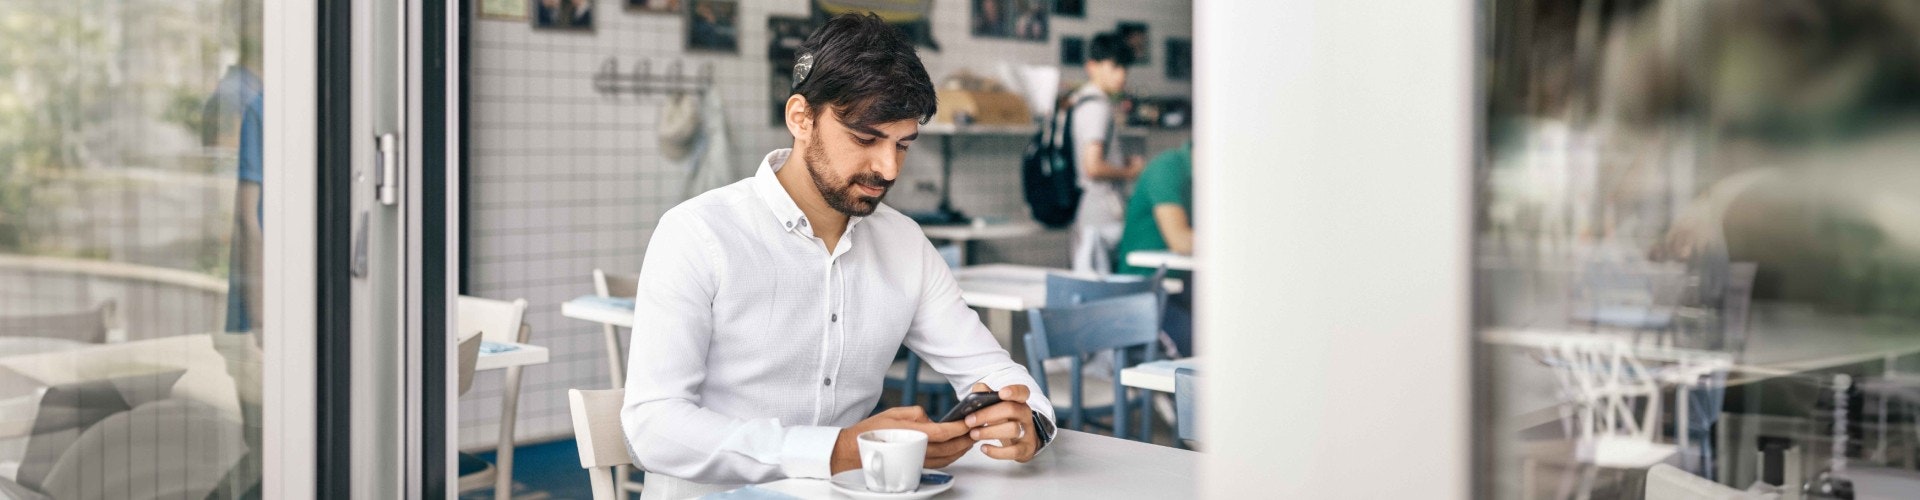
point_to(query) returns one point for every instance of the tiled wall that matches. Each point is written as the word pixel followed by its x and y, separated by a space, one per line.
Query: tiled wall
pixel 562 180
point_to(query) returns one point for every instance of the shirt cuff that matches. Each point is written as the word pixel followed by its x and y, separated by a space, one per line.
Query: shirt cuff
pixel 807 451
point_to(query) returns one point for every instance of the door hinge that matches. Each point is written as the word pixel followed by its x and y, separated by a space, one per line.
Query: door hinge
pixel 386 169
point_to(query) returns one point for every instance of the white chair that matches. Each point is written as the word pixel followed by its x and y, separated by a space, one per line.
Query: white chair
pixel 606 285
pixel 616 285
pixel 603 446
pixel 498 321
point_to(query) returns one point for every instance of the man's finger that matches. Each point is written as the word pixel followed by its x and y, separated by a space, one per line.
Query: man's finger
pixel 979 387
pixel 1010 452
pixel 1006 432
pixel 1014 392
pixel 942 432
pixel 1004 411
pixel 949 448
pixel 912 413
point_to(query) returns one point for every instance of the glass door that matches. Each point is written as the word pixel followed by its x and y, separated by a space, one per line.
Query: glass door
pixel 157 249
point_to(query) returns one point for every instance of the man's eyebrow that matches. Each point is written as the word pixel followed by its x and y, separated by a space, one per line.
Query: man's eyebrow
pixel 877 134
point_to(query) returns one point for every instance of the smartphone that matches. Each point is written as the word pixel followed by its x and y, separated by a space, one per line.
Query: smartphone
pixel 972 403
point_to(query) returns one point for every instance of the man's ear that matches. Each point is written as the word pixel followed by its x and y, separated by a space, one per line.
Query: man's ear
pixel 799 118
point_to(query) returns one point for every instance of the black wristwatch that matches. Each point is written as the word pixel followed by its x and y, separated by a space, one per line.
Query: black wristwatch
pixel 1044 428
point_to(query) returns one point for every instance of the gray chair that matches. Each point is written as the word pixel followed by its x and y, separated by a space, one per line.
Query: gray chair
pixel 1115 325
pixel 1186 387
pixel 1065 289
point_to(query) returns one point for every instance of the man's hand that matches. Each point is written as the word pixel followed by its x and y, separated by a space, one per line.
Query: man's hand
pixel 1009 421
pixel 945 442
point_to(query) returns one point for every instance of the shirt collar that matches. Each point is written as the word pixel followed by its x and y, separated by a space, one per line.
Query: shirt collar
pixel 785 211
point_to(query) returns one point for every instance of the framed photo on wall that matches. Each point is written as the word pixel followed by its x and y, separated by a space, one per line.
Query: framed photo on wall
pixel 713 25
pixel 1135 34
pixel 563 14
pixel 504 10
pixel 1016 19
pixel 1073 50
pixel 654 6
pixel 1179 58
pixel 913 17
pixel 1070 8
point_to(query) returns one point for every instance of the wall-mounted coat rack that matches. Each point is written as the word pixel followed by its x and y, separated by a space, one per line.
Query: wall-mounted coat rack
pixel 641 79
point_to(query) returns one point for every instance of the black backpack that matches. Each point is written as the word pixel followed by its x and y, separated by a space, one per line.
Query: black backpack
pixel 1048 171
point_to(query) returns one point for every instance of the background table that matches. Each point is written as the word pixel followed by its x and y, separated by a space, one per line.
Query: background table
pixel 1076 465
pixel 512 361
pixel 599 310
pixel 1157 375
pixel 965 234
pixel 1157 259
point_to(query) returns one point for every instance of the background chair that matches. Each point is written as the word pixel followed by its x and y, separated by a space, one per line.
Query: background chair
pixel 596 429
pixel 621 286
pixel 1186 387
pixel 935 385
pixel 1115 325
pixel 475 473
pixel 93 326
pixel 502 322
pixel 1068 290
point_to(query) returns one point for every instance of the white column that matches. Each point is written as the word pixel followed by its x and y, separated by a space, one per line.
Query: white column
pixel 1333 148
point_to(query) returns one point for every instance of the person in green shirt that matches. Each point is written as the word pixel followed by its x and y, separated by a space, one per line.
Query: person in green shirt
pixel 1160 217
pixel 1160 213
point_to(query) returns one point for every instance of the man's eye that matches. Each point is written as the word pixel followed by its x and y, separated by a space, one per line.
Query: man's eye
pixel 864 141
pixel 902 145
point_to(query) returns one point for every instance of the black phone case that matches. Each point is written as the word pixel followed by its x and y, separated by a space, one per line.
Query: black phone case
pixel 972 403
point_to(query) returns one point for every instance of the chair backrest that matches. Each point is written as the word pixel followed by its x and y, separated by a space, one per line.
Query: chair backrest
pixel 1666 482
pixel 89 326
pixel 1186 387
pixel 615 285
pixel 1066 290
pixel 469 357
pixel 497 320
pixel 596 428
pixel 1109 325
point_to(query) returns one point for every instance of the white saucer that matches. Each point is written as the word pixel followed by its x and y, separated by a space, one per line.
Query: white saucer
pixel 853 483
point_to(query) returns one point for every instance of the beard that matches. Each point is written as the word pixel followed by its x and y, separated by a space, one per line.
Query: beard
pixel 840 193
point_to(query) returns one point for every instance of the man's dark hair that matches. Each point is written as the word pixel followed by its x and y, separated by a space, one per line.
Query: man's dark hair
pixel 1110 47
pixel 867 70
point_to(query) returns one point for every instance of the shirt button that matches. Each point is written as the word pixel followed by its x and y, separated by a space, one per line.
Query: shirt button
pixel 833 317
pixel 827 381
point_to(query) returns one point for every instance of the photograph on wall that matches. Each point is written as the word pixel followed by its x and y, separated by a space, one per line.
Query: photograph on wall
pixel 713 25
pixel 1070 8
pixel 1135 34
pixel 654 6
pixel 912 17
pixel 1179 58
pixel 1073 50
pixel 784 36
pixel 563 14
pixel 1016 19
pixel 505 10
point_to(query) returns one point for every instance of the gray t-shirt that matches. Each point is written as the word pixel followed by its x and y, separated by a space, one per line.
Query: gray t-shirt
pixel 1104 200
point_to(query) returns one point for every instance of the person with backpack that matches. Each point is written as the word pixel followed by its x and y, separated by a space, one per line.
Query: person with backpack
pixel 1104 174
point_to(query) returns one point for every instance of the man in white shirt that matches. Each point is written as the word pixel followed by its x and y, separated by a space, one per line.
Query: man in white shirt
pixel 1104 174
pixel 769 310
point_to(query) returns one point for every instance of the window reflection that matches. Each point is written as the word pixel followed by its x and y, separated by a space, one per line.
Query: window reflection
pixel 130 242
pixel 1698 255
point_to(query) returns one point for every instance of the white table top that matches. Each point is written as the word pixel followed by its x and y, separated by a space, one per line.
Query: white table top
pixel 592 310
pixel 527 354
pixel 993 231
pixel 1076 465
pixel 1156 259
pixel 1155 376
pixel 1010 287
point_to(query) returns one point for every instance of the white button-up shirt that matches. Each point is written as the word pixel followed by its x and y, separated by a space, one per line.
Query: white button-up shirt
pixel 753 345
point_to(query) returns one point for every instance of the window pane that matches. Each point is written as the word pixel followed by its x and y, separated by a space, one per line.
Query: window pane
pixel 1698 255
pixel 130 248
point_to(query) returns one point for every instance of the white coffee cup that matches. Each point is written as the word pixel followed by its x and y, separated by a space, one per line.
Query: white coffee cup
pixel 892 458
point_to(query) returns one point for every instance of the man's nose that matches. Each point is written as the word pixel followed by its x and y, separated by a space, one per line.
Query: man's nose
pixel 888 166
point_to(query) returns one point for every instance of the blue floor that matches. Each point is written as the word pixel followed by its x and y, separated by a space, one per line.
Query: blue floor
pixel 549 470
